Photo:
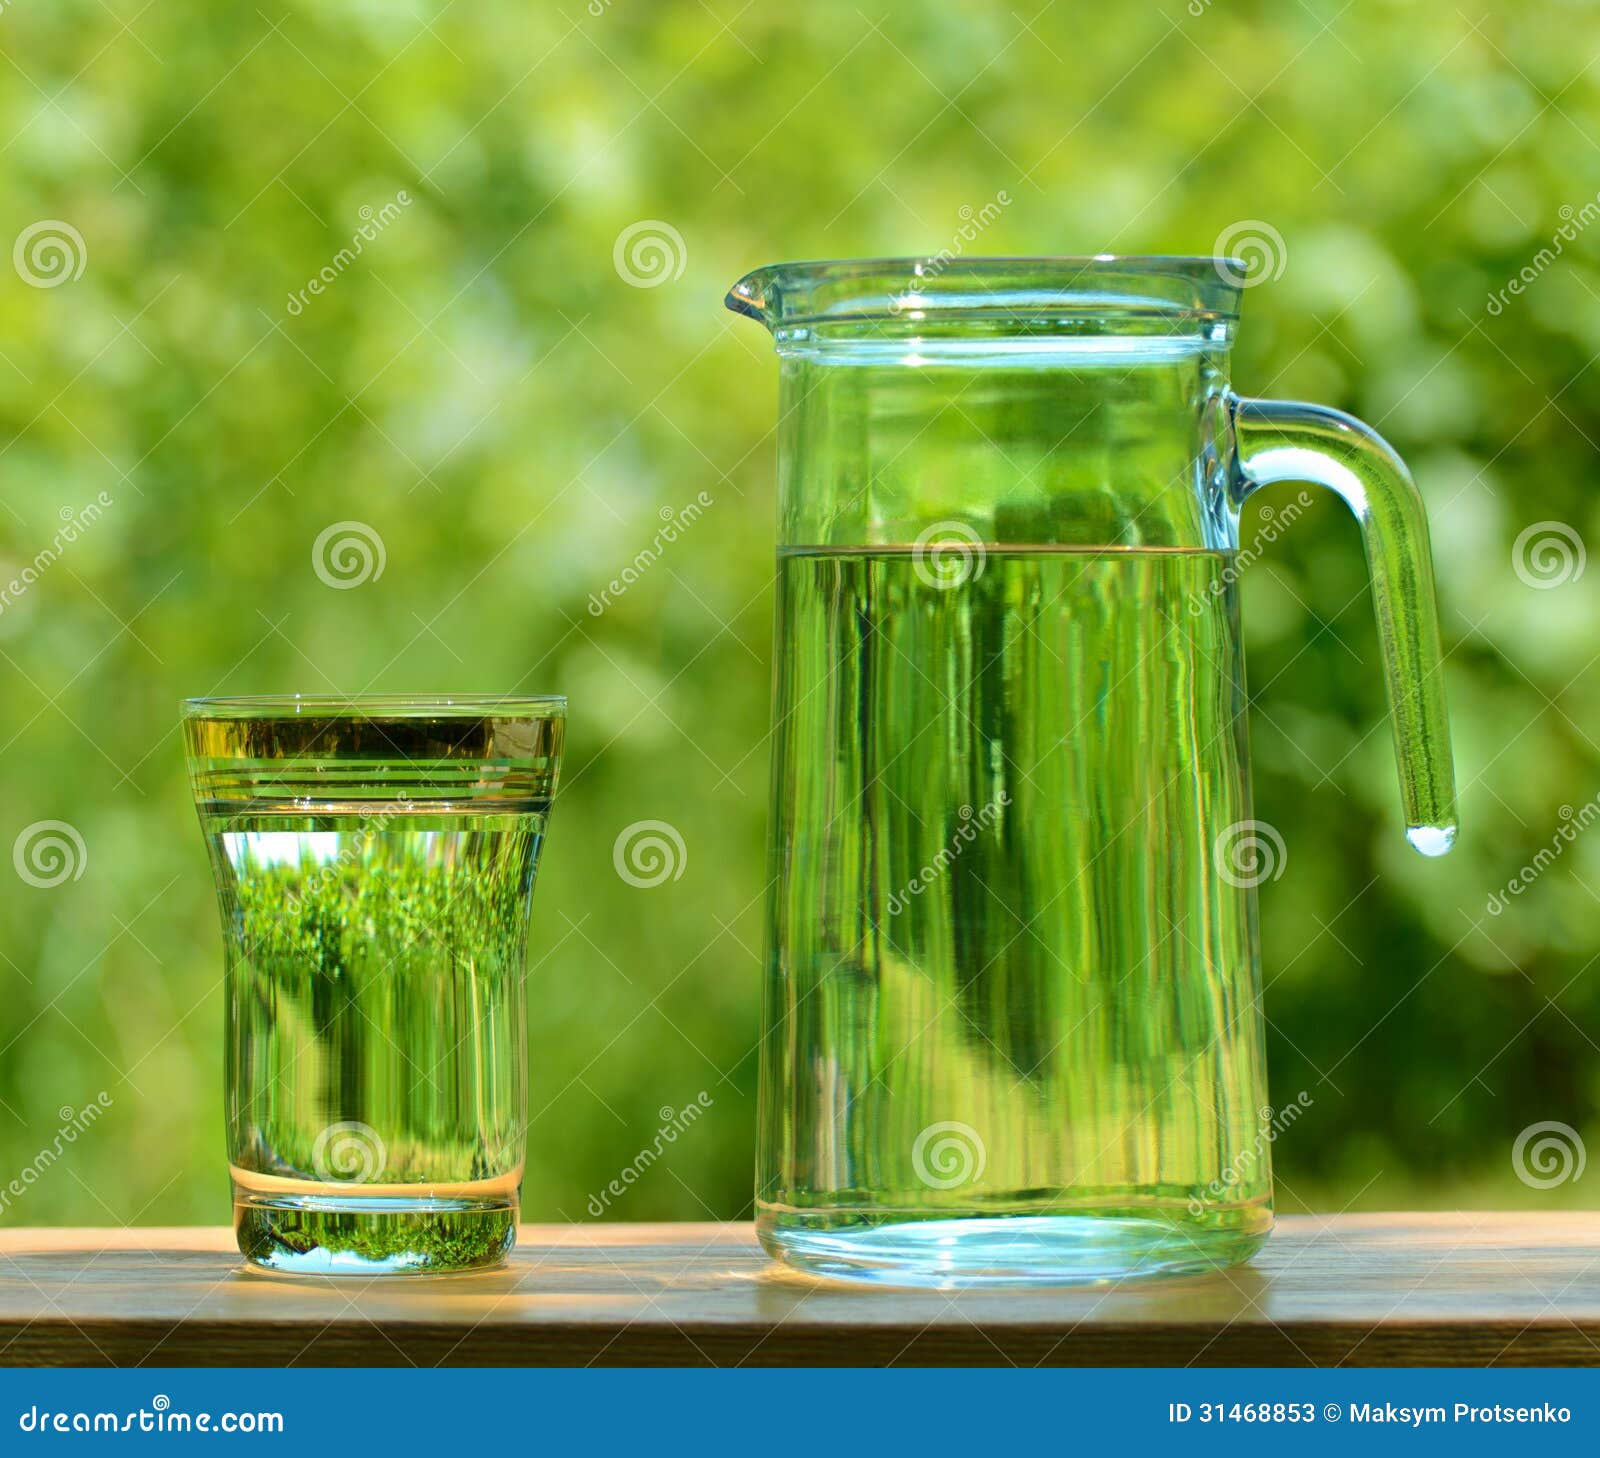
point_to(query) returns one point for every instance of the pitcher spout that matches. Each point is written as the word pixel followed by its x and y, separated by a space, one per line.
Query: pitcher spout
pixel 751 296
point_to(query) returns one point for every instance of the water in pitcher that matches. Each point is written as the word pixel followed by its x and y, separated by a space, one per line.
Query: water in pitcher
pixel 1012 1007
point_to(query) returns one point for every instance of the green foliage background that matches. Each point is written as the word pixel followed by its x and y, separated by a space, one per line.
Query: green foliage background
pixel 511 416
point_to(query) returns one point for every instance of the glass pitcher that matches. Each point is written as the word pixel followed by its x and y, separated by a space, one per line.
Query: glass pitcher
pixel 1011 1031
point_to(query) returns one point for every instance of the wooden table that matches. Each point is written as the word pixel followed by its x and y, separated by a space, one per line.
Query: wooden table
pixel 1438 1289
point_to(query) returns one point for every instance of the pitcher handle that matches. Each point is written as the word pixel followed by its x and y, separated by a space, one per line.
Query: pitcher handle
pixel 1280 440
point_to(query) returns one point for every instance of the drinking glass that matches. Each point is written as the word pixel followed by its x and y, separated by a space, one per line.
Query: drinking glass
pixel 374 862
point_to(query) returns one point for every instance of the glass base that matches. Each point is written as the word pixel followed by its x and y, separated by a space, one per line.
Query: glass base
pixel 323 1235
pixel 1018 1250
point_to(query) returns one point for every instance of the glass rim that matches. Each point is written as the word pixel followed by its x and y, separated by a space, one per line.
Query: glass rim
pixel 387 706
pixel 809 291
